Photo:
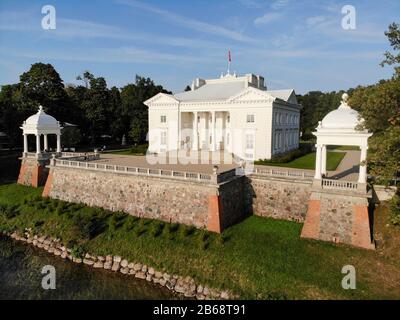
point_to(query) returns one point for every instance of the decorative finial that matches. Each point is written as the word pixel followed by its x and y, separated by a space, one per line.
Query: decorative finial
pixel 40 108
pixel 343 104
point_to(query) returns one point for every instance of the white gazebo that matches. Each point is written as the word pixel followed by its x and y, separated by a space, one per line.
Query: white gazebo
pixel 41 124
pixel 340 127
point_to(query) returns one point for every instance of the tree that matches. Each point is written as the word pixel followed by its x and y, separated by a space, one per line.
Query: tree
pixel 42 85
pixel 11 115
pixel 393 35
pixel 136 130
pixel 379 105
pixel 95 105
pixel 133 96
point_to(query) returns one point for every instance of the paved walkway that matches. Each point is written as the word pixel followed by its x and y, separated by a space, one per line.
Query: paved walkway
pixel 347 169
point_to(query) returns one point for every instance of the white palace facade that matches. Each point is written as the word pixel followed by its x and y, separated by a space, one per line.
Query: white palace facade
pixel 233 113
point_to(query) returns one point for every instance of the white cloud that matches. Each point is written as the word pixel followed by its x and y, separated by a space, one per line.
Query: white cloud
pixel 276 5
pixel 267 18
pixel 312 21
pixel 187 22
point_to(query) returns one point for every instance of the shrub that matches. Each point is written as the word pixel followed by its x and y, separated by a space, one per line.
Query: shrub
pixel 9 211
pixel 203 239
pixel 87 227
pixel 395 209
pixel 157 228
pixel 187 231
pixel 172 230
pixel 77 250
pixel 130 223
pixel 304 149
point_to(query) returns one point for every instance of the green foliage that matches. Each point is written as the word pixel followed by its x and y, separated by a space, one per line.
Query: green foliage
pixel 9 211
pixel 77 250
pixel 259 258
pixel 395 210
pixel 157 228
pixel 393 35
pixel 316 105
pixel 93 107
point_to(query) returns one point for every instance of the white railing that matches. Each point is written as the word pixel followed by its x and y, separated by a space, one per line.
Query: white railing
pixel 80 156
pixel 339 184
pixel 181 175
pixel 296 174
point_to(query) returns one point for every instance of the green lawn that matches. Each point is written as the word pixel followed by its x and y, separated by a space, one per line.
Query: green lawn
pixel 139 150
pixel 259 258
pixel 308 161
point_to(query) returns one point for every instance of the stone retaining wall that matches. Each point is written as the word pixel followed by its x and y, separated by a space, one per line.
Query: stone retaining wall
pixel 143 196
pixel 279 198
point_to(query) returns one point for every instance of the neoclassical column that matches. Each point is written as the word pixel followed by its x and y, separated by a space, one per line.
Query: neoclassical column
pixel 323 160
pixel 196 132
pixel 58 143
pixel 37 143
pixel 179 129
pixel 25 143
pixel 362 177
pixel 213 121
pixel 318 162
pixel 46 145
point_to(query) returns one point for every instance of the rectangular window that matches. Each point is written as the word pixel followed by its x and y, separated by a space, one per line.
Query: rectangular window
pixel 249 141
pixel 163 119
pixel 163 140
pixel 250 118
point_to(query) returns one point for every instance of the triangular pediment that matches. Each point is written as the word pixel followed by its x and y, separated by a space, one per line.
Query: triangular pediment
pixel 161 98
pixel 251 94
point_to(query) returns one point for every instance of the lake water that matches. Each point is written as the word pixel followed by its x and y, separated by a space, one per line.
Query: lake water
pixel 21 278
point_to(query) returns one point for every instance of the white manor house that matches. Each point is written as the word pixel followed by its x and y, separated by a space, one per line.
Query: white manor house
pixel 233 113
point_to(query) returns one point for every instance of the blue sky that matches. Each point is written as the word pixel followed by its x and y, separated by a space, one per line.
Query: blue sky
pixel 296 44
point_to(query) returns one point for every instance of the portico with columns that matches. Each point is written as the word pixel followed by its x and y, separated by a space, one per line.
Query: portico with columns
pixel 338 210
pixel 33 170
pixel 341 127
pixel 41 124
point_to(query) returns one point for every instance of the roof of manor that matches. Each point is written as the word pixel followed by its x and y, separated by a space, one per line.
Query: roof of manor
pixel 212 91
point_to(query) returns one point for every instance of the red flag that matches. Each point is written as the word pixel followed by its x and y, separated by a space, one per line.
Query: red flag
pixel 229 56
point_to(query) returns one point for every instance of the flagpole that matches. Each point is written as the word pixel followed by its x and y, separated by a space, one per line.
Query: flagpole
pixel 229 62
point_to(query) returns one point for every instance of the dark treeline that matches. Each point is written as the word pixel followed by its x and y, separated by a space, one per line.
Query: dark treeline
pixel 96 110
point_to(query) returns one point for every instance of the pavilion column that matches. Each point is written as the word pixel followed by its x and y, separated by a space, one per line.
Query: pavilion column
pixel 37 143
pixel 318 162
pixel 196 132
pixel 46 145
pixel 58 143
pixel 323 160
pixel 25 143
pixel 362 178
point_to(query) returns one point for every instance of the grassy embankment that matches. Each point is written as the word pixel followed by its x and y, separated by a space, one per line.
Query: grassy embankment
pixel 258 258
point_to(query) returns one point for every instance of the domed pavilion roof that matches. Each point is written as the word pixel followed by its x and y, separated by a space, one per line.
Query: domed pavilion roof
pixel 344 118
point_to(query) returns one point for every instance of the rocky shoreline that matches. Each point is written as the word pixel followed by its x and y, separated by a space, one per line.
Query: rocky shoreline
pixel 185 286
